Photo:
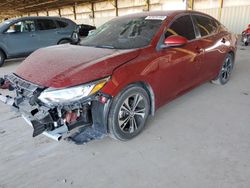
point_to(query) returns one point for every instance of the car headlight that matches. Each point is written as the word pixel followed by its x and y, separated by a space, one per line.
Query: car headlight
pixel 59 96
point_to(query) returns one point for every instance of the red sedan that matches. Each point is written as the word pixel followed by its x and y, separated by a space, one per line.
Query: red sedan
pixel 120 74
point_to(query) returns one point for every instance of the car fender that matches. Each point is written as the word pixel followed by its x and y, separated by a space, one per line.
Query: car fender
pixel 134 72
pixel 2 48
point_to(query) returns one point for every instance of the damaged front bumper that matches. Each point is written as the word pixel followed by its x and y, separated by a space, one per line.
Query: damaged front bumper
pixel 88 115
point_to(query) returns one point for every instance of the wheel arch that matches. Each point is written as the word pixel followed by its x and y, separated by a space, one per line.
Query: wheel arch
pixel 231 52
pixel 69 39
pixel 151 95
pixel 3 52
pixel 149 91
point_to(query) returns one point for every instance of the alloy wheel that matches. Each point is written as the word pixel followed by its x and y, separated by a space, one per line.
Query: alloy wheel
pixel 226 70
pixel 132 113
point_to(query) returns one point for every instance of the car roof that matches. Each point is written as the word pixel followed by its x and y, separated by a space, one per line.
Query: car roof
pixel 154 13
pixel 162 13
pixel 6 23
pixel 36 17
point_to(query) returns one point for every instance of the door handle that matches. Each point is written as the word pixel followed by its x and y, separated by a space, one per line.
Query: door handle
pixel 199 50
pixel 32 35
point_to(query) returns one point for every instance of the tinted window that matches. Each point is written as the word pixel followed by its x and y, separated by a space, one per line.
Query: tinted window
pixel 182 26
pixel 205 25
pixel 45 24
pixel 216 24
pixel 22 26
pixel 125 33
pixel 62 24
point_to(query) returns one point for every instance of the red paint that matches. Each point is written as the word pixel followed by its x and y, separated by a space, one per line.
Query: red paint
pixel 6 85
pixel 71 117
pixel 168 72
pixel 68 65
pixel 103 99
pixel 175 41
pixel 247 31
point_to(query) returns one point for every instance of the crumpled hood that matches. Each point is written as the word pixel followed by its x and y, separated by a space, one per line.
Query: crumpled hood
pixel 67 65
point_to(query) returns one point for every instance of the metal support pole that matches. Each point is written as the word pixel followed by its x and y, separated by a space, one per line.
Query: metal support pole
pixel 192 4
pixel 147 5
pixel 59 12
pixel 116 7
pixel 93 13
pixel 74 11
pixel 92 10
pixel 220 9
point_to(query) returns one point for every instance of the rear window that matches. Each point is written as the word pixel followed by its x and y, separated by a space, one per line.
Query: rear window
pixel 45 24
pixel 62 24
pixel 206 25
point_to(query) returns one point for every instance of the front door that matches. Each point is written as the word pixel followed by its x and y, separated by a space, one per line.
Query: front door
pixel 21 38
pixel 179 66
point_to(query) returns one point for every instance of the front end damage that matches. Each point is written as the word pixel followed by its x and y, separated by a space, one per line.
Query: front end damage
pixel 87 115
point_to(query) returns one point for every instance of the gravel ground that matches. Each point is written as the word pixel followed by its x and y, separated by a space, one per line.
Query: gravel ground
pixel 201 139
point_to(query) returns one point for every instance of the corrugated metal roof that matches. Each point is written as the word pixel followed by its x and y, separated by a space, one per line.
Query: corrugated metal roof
pixel 10 8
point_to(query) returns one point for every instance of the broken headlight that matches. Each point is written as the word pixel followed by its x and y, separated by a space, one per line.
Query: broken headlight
pixel 58 96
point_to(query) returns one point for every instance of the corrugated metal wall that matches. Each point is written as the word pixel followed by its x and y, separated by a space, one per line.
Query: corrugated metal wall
pixel 235 18
pixel 105 10
pixel 235 14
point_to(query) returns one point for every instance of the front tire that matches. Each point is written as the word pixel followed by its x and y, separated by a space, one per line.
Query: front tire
pixel 128 113
pixel 2 58
pixel 226 70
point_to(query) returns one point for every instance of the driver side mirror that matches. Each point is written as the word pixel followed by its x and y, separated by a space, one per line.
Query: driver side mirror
pixel 174 41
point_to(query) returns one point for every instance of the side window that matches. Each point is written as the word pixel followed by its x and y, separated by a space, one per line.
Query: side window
pixel 21 27
pixel 205 25
pixel 182 26
pixel 217 25
pixel 45 24
pixel 62 24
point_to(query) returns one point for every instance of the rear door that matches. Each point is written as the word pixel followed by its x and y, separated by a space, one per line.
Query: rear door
pixel 179 66
pixel 64 29
pixel 48 32
pixel 213 41
pixel 20 38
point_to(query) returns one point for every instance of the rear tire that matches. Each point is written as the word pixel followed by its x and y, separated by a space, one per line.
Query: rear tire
pixel 128 113
pixel 2 58
pixel 226 70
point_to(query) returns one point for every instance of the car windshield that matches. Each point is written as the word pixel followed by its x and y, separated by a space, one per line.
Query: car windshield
pixel 126 33
pixel 4 23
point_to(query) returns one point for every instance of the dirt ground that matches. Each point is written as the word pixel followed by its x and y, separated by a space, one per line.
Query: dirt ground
pixel 201 139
